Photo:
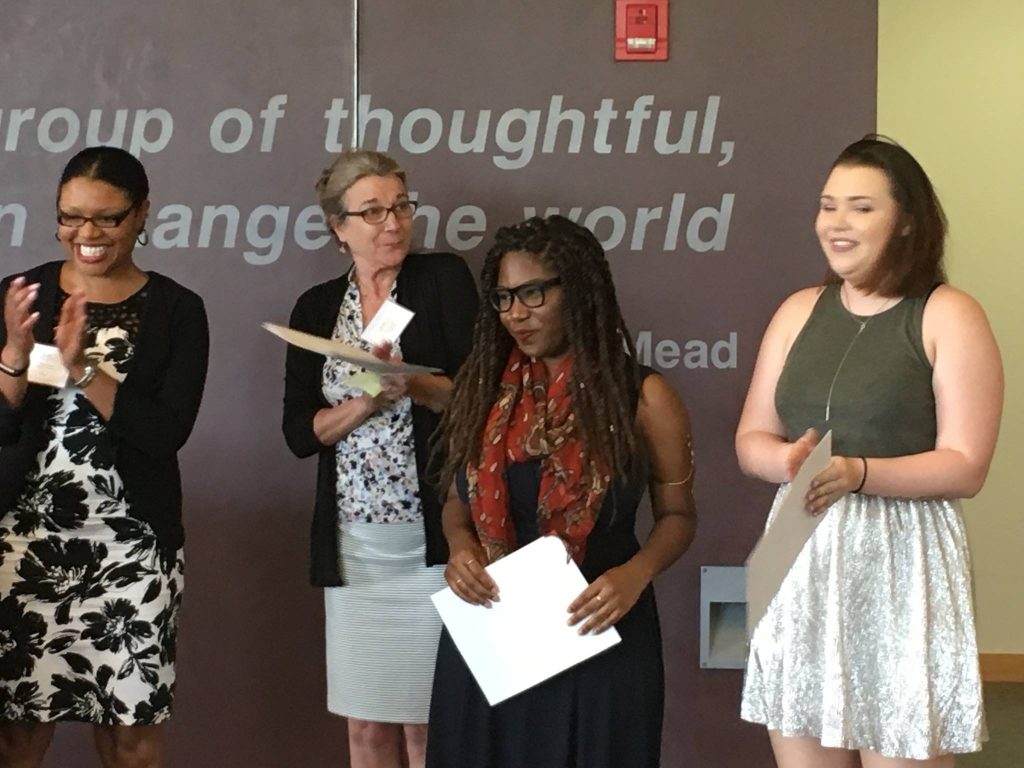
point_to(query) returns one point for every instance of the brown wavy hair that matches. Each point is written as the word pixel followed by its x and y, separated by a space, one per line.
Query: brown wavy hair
pixel 911 264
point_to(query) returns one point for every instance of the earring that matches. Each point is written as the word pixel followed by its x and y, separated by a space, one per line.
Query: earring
pixel 143 237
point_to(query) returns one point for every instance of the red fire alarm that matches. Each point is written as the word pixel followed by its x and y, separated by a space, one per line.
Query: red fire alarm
pixel 641 30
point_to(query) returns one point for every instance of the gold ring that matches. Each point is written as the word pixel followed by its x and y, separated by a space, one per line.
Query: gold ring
pixel 469 563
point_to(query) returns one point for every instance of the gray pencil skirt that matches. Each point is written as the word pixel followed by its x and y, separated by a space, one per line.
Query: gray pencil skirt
pixel 381 627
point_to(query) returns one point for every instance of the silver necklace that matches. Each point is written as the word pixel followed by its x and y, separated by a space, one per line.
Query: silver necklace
pixel 862 323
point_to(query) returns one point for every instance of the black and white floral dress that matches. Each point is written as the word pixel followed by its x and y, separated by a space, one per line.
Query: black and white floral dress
pixel 88 600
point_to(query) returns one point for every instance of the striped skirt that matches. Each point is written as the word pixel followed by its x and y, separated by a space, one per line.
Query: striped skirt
pixel 382 629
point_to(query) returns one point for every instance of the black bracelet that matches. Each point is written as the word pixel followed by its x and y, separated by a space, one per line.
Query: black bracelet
pixel 865 478
pixel 15 372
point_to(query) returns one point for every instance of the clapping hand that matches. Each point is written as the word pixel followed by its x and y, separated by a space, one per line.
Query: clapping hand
pixel 70 333
pixel 19 320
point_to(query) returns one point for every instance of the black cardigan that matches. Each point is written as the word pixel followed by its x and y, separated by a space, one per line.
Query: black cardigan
pixel 154 408
pixel 440 289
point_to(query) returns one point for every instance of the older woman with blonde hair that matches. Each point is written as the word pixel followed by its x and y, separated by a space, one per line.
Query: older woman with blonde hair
pixel 376 533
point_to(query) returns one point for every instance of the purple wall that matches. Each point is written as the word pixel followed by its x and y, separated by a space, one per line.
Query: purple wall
pixel 776 89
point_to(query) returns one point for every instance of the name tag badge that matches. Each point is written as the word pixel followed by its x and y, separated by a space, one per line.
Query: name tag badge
pixel 387 325
pixel 45 367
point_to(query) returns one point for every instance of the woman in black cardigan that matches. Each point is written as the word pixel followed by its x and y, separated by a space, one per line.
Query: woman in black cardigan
pixel 376 533
pixel 90 496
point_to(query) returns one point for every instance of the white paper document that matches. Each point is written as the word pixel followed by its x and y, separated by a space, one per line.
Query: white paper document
pixel 346 352
pixel 524 639
pixel 46 367
pixel 777 550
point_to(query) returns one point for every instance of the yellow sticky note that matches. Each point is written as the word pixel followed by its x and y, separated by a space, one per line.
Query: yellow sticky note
pixel 367 381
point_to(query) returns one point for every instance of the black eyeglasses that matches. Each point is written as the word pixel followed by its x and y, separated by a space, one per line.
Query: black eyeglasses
pixel 106 221
pixel 377 214
pixel 530 294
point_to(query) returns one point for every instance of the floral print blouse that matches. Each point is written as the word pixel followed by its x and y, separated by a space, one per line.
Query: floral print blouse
pixel 377 478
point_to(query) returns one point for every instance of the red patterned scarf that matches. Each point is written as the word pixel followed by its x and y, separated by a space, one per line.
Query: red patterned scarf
pixel 532 418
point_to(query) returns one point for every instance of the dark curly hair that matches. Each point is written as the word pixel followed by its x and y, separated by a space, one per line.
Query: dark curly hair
pixel 605 379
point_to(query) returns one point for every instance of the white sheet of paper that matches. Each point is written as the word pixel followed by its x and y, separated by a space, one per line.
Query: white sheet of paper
pixel 387 325
pixel 45 366
pixel 523 639
pixel 345 352
pixel 776 551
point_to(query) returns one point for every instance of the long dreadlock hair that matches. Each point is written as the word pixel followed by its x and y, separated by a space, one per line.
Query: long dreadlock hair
pixel 605 378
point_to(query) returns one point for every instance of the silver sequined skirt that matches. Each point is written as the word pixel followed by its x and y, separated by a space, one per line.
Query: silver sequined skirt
pixel 870 643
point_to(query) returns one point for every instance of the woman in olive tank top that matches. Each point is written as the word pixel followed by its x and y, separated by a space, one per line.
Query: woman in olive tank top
pixel 867 655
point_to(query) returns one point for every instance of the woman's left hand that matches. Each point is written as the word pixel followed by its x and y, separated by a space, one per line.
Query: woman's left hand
pixel 392 386
pixel 70 334
pixel 392 389
pixel 608 599
pixel 842 475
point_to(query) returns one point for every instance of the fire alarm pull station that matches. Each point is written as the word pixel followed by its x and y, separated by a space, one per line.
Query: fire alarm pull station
pixel 641 30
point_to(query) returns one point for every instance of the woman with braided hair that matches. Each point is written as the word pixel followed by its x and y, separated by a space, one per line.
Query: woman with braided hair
pixel 553 429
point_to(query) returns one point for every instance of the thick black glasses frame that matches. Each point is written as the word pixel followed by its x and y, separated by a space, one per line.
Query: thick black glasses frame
pixel 109 221
pixel 503 298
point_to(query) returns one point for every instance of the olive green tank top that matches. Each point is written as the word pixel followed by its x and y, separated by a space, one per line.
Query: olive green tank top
pixel 880 379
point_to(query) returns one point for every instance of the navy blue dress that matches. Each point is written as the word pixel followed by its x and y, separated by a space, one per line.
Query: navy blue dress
pixel 603 713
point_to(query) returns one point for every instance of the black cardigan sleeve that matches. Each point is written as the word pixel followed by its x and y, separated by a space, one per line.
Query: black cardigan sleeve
pixel 303 395
pixel 156 416
pixel 440 289
pixel 155 407
pixel 459 307
pixel 10 418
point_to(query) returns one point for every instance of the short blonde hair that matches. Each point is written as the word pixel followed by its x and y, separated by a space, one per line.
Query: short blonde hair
pixel 348 168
